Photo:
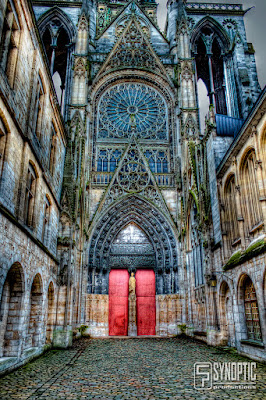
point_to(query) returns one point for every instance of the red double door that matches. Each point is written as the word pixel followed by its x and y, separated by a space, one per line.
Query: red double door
pixel 118 302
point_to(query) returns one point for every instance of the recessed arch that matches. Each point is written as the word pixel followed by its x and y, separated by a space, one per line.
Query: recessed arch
pixel 50 313
pixel 35 312
pixel 247 300
pixel 210 43
pixel 264 288
pixel 251 191
pixel 58 35
pixel 226 314
pixel 231 210
pixel 210 23
pixel 245 155
pixel 56 14
pixel 156 226
pixel 10 311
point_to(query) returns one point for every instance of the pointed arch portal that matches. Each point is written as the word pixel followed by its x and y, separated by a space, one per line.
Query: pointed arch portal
pixel 159 252
pixel 132 236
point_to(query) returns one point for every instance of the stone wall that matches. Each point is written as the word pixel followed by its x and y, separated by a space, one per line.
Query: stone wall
pixel 28 251
pixel 168 315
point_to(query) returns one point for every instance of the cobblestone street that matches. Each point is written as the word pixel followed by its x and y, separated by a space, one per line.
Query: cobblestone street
pixel 135 369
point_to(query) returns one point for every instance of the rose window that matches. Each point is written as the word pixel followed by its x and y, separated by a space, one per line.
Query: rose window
pixel 132 106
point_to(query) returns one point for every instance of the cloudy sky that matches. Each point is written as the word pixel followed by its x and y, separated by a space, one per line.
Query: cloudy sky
pixel 255 21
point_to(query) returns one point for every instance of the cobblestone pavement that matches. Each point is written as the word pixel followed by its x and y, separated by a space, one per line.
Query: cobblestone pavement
pixel 119 369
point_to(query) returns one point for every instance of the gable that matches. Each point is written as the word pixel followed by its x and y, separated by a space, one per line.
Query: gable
pixel 134 51
pixel 133 176
pixel 108 37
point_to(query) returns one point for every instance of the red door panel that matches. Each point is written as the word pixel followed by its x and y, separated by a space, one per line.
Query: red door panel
pixel 118 302
pixel 146 308
pixel 145 283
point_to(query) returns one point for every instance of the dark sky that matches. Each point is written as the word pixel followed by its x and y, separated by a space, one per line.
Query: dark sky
pixel 255 21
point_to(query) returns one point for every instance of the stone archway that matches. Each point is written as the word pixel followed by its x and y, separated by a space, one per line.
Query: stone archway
pixel 10 311
pixel 157 228
pixel 157 252
pixel 226 315
pixel 36 310
pixel 51 313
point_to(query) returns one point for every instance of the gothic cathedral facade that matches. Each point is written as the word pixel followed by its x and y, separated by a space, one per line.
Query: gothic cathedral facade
pixel 106 170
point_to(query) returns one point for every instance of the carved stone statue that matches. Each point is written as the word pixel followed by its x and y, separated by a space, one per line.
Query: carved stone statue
pixel 132 284
pixel 132 312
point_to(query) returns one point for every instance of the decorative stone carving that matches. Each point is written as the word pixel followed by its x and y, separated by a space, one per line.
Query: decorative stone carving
pixel 133 50
pixel 132 285
pixel 130 105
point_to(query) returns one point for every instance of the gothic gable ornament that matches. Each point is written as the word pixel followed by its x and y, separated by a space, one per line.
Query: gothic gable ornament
pixel 133 50
pixel 190 127
pixel 133 176
pixel 76 126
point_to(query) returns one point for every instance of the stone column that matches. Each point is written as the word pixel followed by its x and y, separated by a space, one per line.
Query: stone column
pixel 132 315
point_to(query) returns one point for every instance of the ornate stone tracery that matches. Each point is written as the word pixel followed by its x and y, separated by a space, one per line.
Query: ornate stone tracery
pixel 128 105
pixel 135 210
pixel 133 176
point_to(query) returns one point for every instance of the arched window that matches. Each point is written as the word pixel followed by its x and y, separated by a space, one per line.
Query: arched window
pixel 3 138
pixel 58 32
pixel 210 45
pixel 30 196
pixel 251 311
pixel 210 68
pixel 9 43
pixel 38 108
pixel 232 227
pixel 195 244
pixel 53 144
pixel 46 218
pixel 158 160
pixel 108 159
pixel 51 314
pixel 251 191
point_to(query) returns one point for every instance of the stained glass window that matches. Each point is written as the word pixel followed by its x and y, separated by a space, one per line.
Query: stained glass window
pixel 129 106
pixel 251 311
pixel 108 160
pixel 158 161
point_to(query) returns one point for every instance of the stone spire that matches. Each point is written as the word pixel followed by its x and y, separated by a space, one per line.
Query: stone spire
pixel 176 12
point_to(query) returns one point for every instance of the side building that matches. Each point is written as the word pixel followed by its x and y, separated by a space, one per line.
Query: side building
pixel 32 153
pixel 238 274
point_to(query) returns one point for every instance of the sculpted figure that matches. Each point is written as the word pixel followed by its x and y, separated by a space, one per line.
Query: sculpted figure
pixel 132 284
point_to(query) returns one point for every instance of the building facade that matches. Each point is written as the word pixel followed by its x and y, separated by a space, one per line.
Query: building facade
pixel 105 171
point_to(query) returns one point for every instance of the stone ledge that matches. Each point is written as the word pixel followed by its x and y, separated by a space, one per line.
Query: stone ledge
pixel 255 248
pixel 30 352
pixel 252 343
pixel 200 333
pixel 6 362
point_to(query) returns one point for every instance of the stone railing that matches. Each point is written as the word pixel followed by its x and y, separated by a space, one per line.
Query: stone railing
pixel 104 178
pixel 165 180
pixel 214 7
pixel 101 178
